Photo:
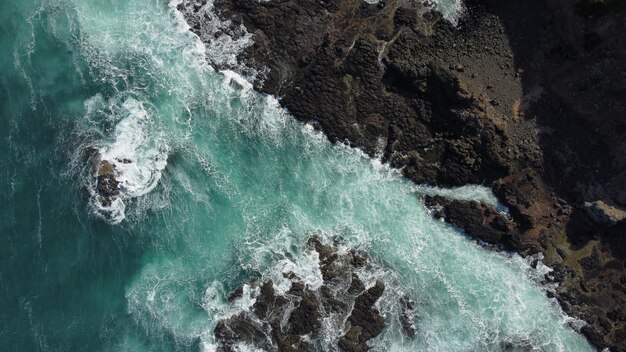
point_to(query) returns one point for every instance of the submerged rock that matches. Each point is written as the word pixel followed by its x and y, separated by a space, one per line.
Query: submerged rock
pixel 407 316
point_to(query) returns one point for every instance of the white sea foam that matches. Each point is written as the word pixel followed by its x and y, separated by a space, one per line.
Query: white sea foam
pixel 137 147
pixel 135 150
pixel 451 9
pixel 223 40
pixel 138 150
pixel 238 79
pixel 138 156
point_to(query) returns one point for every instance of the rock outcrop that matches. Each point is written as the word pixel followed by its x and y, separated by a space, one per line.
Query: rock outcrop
pixel 107 186
pixel 479 220
pixel 293 320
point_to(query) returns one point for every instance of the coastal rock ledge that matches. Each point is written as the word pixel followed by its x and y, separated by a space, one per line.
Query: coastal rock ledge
pixel 524 96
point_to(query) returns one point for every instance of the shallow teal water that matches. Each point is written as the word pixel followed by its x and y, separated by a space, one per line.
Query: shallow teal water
pixel 242 188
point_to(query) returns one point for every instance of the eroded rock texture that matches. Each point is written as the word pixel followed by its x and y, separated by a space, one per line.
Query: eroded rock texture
pixel 294 320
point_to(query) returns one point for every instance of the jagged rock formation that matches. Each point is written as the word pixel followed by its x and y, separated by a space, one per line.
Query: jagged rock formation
pixel 294 320
pixel 477 219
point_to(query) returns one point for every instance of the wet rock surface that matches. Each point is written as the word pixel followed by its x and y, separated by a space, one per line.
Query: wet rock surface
pixel 106 184
pixel 524 96
pixel 479 220
pixel 293 320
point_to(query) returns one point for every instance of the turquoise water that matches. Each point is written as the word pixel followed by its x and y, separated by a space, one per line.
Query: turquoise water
pixel 223 187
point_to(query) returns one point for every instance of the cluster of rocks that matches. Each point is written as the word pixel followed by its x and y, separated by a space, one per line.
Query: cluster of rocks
pixel 525 96
pixel 294 320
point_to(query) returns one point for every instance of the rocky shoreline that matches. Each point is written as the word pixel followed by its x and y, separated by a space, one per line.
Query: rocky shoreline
pixel 525 96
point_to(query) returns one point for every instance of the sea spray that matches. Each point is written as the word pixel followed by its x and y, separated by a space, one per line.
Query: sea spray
pixel 129 163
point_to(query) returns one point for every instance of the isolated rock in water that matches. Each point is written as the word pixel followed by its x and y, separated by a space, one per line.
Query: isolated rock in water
pixel 106 184
pixel 603 214
pixel 293 320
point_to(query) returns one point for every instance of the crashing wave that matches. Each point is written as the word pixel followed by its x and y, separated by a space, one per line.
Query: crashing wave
pixel 222 38
pixel 131 165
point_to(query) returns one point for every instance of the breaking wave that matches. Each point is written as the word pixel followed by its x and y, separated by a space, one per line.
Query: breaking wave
pixel 133 158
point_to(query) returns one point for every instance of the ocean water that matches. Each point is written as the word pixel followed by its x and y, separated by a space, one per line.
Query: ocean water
pixel 220 185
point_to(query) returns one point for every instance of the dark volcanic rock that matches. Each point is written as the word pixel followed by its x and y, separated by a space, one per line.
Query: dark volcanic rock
pixel 306 317
pixel 407 316
pixel 106 184
pixel 292 321
pixel 477 219
pixel 364 316
pixel 364 74
pixel 238 327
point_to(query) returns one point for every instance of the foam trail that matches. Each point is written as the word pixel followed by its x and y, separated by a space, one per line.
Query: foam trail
pixel 477 193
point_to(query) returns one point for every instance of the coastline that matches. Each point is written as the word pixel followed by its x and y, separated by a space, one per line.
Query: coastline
pixel 486 102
